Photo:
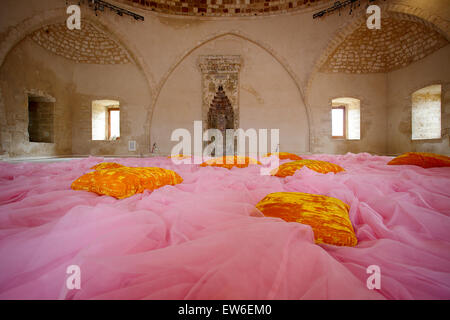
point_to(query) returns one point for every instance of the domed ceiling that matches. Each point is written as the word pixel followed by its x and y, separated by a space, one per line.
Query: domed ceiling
pixel 89 45
pixel 401 41
pixel 222 7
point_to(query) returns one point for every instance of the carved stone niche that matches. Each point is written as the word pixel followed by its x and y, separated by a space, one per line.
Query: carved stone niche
pixel 220 92
pixel 220 71
pixel 221 113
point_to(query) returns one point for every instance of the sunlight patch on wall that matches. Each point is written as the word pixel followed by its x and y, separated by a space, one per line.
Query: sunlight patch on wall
pixel 426 113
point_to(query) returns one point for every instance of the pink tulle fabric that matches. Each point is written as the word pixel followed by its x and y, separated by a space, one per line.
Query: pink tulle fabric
pixel 204 239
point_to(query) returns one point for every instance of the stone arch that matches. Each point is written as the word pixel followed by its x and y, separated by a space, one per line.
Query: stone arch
pixel 238 34
pixel 437 23
pixel 19 32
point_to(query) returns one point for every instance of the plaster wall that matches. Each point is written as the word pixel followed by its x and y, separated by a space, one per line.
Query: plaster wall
pixel 268 97
pixel 29 69
pixel 371 90
pixel 123 83
pixel 434 69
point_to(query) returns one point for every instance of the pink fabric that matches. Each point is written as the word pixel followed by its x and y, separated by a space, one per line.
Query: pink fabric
pixel 203 239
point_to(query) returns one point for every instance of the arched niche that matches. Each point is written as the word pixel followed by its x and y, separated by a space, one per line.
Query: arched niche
pixel 268 96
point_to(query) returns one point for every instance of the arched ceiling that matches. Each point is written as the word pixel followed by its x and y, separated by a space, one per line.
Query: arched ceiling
pixel 222 7
pixel 401 41
pixel 88 45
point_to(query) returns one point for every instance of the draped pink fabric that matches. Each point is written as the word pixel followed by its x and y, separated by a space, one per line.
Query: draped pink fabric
pixel 204 239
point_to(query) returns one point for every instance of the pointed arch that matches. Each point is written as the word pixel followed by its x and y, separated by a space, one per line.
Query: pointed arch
pixel 19 32
pixel 238 34
pixel 436 23
pixel 28 26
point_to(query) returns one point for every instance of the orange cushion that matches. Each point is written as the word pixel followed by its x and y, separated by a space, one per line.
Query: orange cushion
pixel 421 159
pixel 328 217
pixel 179 157
pixel 288 169
pixel 230 162
pixel 284 156
pixel 124 182
pixel 106 165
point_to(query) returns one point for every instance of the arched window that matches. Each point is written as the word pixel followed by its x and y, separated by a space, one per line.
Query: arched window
pixel 426 113
pixel 105 120
pixel 346 118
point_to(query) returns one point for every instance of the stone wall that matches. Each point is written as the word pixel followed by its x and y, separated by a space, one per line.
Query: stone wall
pixel 400 41
pixel 268 96
pixel 402 84
pixel 123 83
pixel 30 70
pixel 223 7
pixel 159 85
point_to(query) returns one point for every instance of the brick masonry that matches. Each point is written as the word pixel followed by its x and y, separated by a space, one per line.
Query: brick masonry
pixel 398 43
pixel 88 45
pixel 223 7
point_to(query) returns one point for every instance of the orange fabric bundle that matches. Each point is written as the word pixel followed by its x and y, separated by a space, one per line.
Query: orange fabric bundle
pixel 106 165
pixel 421 159
pixel 230 162
pixel 288 169
pixel 179 157
pixel 327 216
pixel 124 182
pixel 284 156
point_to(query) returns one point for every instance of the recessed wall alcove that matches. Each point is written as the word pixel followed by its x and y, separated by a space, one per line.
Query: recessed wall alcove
pixel 41 118
pixel 259 101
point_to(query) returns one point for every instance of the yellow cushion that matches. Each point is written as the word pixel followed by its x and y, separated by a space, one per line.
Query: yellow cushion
pixel 288 169
pixel 106 165
pixel 179 157
pixel 124 182
pixel 230 162
pixel 421 159
pixel 328 217
pixel 284 156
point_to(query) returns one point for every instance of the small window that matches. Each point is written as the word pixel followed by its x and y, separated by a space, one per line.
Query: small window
pixel 40 119
pixel 346 118
pixel 105 120
pixel 426 113
pixel 338 122
pixel 114 124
